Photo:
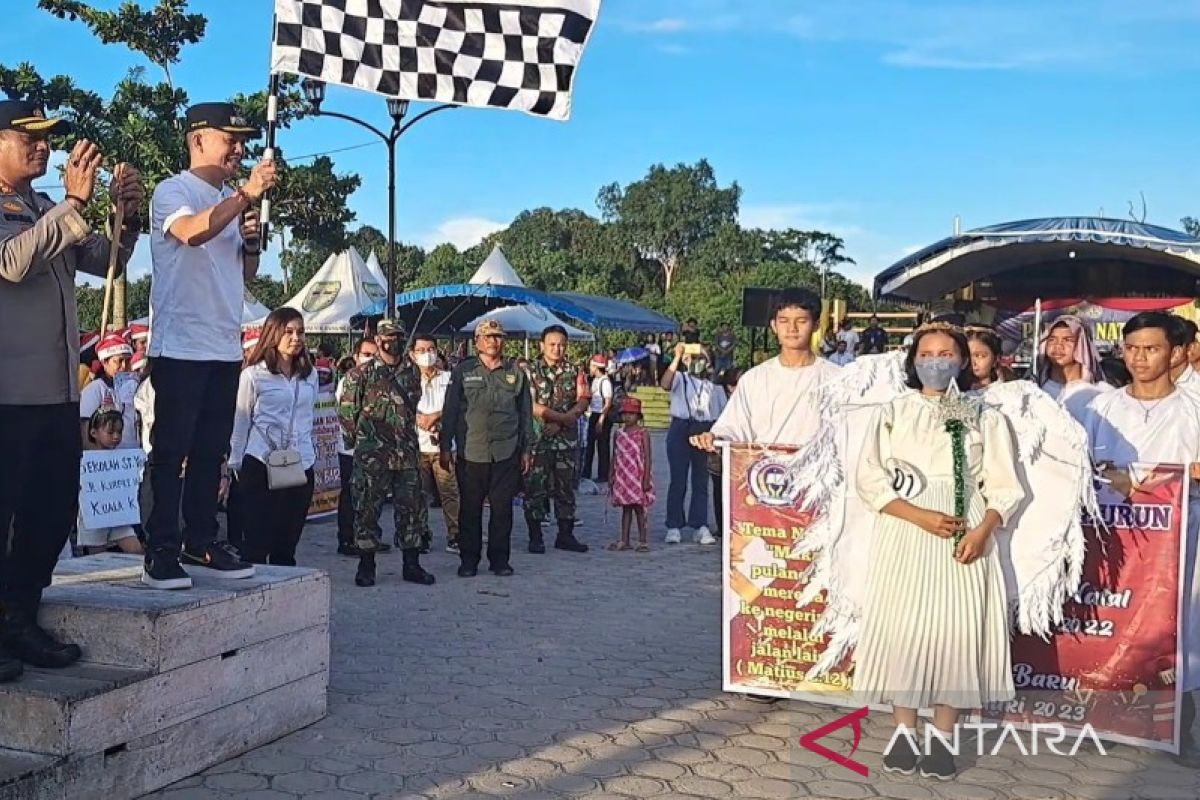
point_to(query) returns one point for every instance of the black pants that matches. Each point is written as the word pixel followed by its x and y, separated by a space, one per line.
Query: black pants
pixel 718 498
pixel 39 494
pixel 498 483
pixel 597 440
pixel 235 515
pixel 345 515
pixel 193 419
pixel 274 518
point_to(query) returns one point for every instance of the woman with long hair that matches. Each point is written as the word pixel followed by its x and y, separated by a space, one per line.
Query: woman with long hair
pixel 1069 365
pixel 276 396
pixel 985 356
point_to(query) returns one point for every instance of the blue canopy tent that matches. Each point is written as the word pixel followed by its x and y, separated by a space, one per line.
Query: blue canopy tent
pixel 1056 257
pixel 444 310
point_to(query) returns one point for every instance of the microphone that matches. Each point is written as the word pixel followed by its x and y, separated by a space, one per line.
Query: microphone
pixel 254 244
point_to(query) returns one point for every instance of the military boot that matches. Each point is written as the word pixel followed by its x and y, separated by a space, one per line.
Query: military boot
pixel 566 537
pixel 412 571
pixel 25 640
pixel 537 543
pixel 366 570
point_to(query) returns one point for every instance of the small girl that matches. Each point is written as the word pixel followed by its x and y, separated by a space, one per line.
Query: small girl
pixel 105 428
pixel 630 473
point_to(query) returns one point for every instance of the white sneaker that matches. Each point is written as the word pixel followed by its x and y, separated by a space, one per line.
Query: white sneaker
pixel 704 535
pixel 674 536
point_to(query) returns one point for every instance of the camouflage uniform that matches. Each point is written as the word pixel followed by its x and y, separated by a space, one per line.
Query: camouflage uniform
pixel 378 418
pixel 555 458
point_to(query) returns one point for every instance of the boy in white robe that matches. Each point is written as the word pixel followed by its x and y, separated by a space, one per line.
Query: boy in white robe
pixel 1154 421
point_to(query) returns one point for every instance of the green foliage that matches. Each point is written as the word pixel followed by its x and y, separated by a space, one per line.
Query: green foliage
pixel 1191 226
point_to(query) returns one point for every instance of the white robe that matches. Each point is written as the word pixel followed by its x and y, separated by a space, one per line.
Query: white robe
pixel 1076 395
pixel 774 404
pixel 1120 431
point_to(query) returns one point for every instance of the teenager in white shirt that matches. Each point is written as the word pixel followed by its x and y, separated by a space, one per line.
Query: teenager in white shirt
pixel 841 355
pixel 696 402
pixel 848 335
pixel 1069 366
pixel 599 430
pixel 204 242
pixel 276 398
pixel 1153 421
pixel 1183 373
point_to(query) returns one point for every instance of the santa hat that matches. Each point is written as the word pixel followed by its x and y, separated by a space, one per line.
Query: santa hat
pixel 112 346
pixel 88 340
pixel 139 331
pixel 600 361
pixel 324 369
pixel 631 405
pixel 138 361
pixel 250 338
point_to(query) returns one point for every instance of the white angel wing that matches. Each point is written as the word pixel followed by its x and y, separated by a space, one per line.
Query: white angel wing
pixel 838 539
pixel 1042 547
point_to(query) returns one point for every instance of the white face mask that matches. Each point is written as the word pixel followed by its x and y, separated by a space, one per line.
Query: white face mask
pixel 425 360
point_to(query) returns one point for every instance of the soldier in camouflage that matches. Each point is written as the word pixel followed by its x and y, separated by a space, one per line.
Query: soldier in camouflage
pixel 378 418
pixel 560 398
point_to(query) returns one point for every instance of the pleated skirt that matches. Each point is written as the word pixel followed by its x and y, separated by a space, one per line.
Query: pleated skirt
pixel 933 631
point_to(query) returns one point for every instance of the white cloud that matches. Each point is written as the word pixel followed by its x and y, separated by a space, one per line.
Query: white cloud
pixel 665 25
pixel 462 232
pixel 674 49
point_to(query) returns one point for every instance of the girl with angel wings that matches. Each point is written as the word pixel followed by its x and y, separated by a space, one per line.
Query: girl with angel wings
pixel 930 485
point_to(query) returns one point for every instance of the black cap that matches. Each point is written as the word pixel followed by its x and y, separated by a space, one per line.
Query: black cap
pixel 27 117
pixel 218 116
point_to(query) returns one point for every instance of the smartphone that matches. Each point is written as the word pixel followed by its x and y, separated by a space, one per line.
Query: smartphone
pixel 693 349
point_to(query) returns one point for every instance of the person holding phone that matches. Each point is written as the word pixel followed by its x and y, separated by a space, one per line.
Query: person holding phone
pixel 696 403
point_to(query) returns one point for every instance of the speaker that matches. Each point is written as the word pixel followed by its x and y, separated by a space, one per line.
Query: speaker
pixel 756 307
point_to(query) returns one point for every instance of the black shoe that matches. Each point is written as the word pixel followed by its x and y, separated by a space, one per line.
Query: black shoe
pixel 764 699
pixel 566 538
pixel 902 757
pixel 217 560
pixel 384 547
pixel 348 550
pixel 424 550
pixel 939 763
pixel 467 572
pixel 537 544
pixel 366 570
pixel 412 571
pixel 501 572
pixel 162 571
pixel 31 644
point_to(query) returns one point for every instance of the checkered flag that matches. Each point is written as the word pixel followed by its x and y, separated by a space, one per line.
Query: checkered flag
pixel 518 54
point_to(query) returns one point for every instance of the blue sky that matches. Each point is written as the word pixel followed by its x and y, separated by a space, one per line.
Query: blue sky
pixel 879 120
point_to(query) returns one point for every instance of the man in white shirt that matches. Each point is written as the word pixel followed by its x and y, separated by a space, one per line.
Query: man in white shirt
pixel 1152 421
pixel 850 336
pixel 434 383
pixel 841 356
pixel 204 242
pixel 1183 373
pixel 695 404
pixel 364 351
pixel 599 430
pixel 108 391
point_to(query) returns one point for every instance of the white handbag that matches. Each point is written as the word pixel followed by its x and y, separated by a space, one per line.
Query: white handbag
pixel 285 470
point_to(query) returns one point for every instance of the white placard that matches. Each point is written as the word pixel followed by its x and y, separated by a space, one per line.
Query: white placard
pixel 108 488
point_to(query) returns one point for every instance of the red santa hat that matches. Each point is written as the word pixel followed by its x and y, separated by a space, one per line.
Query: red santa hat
pixel 139 361
pixel 112 346
pixel 139 331
pixel 88 340
pixel 250 338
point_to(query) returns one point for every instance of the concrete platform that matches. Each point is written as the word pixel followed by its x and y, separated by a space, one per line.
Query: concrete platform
pixel 172 682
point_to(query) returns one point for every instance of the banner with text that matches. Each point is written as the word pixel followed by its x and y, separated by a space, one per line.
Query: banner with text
pixel 768 640
pixel 1115 661
pixel 108 488
pixel 327 479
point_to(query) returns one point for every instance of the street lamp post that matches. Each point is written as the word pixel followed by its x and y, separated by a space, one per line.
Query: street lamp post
pixel 314 92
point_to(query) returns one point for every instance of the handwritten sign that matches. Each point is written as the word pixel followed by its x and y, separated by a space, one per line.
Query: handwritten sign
pixel 327 479
pixel 108 488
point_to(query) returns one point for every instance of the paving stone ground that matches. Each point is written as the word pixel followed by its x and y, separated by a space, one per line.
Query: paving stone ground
pixel 594 675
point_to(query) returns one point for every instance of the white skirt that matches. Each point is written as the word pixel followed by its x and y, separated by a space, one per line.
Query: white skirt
pixel 934 631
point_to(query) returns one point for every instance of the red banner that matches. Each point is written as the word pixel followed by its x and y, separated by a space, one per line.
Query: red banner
pixel 769 645
pixel 1115 662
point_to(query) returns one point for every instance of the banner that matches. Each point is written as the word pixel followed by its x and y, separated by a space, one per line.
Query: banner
pixel 1115 662
pixel 1105 318
pixel 768 640
pixel 327 479
pixel 108 488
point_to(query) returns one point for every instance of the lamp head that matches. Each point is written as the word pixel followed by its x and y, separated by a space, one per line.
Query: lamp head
pixel 314 92
pixel 397 108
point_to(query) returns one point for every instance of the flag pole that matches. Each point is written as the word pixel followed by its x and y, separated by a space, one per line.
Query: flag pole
pixel 264 215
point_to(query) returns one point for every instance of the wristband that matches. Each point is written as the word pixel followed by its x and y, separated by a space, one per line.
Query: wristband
pixel 77 198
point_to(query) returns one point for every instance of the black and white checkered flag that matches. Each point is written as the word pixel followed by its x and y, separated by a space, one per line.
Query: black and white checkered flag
pixel 514 54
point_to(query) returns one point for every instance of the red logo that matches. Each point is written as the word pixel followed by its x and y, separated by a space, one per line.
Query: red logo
pixel 854 719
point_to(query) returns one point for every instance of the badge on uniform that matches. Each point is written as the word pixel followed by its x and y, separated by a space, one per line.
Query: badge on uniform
pixel 13 205
pixel 511 379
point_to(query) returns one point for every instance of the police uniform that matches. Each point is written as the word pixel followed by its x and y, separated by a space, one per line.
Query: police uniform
pixel 377 412
pixel 555 457
pixel 488 419
pixel 43 244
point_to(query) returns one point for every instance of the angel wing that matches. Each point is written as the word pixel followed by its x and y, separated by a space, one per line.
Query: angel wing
pixel 1042 548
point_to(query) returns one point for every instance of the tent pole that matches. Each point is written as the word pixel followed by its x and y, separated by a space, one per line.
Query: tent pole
pixel 1037 337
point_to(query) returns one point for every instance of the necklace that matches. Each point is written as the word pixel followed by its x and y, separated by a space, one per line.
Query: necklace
pixel 1148 410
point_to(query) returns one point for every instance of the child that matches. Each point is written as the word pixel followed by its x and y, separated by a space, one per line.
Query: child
pixel 104 433
pixel 630 474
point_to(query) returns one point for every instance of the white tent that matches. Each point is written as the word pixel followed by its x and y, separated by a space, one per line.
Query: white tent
pixel 343 286
pixel 520 322
pixel 376 268
pixel 253 312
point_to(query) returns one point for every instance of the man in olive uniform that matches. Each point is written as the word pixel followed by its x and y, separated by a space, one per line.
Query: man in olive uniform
pixel 558 404
pixel 43 245
pixel 488 419
pixel 378 414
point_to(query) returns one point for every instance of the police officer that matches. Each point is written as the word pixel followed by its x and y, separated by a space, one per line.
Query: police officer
pixel 42 245
pixel 488 419
pixel 558 404
pixel 378 414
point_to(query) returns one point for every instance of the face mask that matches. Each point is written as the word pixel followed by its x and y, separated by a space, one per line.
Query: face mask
pixel 425 360
pixel 698 367
pixel 390 346
pixel 938 372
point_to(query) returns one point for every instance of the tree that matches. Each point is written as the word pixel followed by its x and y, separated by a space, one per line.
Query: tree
pixel 667 214
pixel 1191 226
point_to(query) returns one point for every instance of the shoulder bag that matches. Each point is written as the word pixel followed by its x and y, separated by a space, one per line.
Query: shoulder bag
pixel 285 469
